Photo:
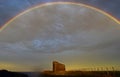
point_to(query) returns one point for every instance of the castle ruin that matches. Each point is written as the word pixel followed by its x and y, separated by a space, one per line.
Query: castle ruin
pixel 58 67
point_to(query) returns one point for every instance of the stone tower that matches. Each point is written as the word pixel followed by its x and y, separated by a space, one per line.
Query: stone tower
pixel 58 67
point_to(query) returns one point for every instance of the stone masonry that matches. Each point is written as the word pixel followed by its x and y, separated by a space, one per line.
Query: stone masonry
pixel 58 67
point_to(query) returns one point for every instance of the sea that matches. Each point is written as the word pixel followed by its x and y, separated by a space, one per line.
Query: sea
pixel 33 74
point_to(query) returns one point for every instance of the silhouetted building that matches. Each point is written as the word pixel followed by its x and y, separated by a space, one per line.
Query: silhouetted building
pixel 58 67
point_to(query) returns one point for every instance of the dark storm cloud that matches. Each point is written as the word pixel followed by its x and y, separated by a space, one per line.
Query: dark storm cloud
pixel 108 6
pixel 9 9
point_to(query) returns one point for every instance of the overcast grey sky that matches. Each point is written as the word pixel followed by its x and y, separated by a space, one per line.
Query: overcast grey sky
pixel 73 34
pixel 10 8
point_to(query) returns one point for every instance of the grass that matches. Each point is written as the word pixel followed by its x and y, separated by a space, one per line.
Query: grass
pixel 83 74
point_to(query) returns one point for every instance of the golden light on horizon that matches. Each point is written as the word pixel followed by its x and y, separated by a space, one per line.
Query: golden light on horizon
pixel 13 67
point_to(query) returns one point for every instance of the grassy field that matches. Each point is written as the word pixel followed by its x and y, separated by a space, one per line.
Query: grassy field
pixel 83 74
pixel 5 73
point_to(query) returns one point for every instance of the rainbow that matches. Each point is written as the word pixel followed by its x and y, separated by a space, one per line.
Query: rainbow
pixel 53 3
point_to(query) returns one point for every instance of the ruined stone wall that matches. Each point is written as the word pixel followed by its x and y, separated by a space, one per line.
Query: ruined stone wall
pixel 58 67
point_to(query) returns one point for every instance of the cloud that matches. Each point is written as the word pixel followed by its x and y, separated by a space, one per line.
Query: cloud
pixel 56 28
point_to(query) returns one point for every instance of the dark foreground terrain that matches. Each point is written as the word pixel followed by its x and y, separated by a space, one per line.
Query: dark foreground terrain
pixel 5 73
pixel 84 74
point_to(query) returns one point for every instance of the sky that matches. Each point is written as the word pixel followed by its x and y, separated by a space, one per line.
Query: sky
pixel 78 35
